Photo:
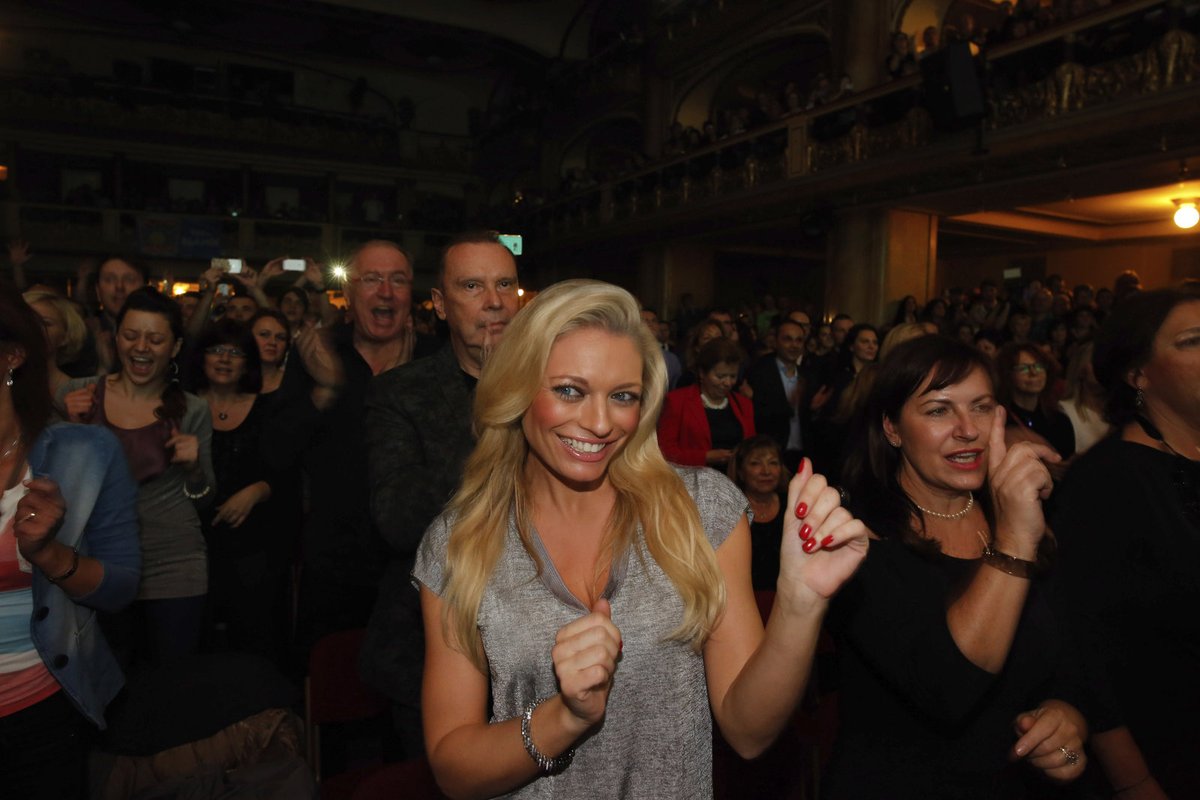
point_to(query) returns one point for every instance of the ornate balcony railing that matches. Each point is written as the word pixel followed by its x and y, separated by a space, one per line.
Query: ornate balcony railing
pixel 1137 49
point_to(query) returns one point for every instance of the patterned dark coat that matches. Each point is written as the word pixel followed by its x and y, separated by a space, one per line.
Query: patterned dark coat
pixel 418 433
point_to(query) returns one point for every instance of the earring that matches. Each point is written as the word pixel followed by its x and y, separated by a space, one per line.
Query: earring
pixel 893 443
pixel 1139 399
pixel 9 380
pixel 174 371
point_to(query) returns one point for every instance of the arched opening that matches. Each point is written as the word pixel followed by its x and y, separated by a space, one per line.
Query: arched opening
pixel 971 16
pixel 762 75
pixel 609 146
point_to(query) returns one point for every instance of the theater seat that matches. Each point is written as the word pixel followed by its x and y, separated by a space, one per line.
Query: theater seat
pixel 335 695
pixel 406 780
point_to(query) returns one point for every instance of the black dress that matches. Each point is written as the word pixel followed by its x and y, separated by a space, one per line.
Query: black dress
pixel 918 719
pixel 1053 426
pixel 1128 524
pixel 247 564
pixel 764 549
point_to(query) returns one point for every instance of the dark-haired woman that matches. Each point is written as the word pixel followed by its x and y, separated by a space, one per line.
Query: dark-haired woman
pixel 246 572
pixel 293 304
pixel 953 666
pixel 68 547
pixel 166 434
pixel 1025 378
pixel 701 424
pixel 861 349
pixel 757 469
pixel 1128 522
pixel 272 337
pixel 907 311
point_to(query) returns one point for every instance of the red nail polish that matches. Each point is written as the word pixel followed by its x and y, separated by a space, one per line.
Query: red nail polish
pixel 809 545
pixel 801 510
pixel 828 540
pixel 805 531
pixel 620 646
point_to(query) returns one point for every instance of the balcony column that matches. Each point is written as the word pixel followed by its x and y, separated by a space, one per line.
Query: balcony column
pixel 666 273
pixel 878 256
pixel 655 113
pixel 860 42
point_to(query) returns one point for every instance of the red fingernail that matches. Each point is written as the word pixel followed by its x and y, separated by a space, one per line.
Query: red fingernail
pixel 805 531
pixel 828 540
pixel 620 646
pixel 809 545
pixel 801 510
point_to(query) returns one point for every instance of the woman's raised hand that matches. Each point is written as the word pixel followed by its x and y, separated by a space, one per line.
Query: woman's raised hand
pixel 184 447
pixel 38 515
pixel 822 542
pixel 1019 481
pixel 79 403
pixel 585 657
pixel 1050 737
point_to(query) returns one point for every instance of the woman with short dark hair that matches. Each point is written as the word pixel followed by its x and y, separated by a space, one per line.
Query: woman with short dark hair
pixel 701 424
pixel 1128 522
pixel 757 469
pixel 952 662
pixel 1026 377
pixel 246 571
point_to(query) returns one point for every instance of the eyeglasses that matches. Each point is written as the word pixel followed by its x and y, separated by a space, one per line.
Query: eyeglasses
pixel 1029 369
pixel 373 280
pixel 221 350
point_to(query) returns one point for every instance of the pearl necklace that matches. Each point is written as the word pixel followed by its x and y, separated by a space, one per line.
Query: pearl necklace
pixel 956 515
pixel 710 405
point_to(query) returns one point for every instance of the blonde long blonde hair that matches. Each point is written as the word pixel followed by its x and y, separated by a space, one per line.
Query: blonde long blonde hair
pixel 648 490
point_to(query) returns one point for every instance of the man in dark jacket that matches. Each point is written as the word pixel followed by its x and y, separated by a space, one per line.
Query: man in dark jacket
pixel 420 435
pixel 782 391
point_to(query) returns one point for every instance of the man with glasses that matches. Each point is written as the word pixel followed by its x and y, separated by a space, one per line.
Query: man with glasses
pixel 323 430
pixel 419 426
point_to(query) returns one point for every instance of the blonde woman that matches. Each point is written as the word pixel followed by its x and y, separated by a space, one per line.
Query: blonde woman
pixel 1084 399
pixel 598 596
pixel 65 332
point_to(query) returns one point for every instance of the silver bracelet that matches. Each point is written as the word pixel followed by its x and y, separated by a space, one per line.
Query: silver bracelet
pixel 196 495
pixel 546 764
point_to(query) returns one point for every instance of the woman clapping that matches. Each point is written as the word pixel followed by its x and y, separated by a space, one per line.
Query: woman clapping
pixel 587 606
pixel 954 673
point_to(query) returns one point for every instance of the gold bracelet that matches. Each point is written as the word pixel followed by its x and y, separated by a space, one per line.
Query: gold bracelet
pixel 1009 565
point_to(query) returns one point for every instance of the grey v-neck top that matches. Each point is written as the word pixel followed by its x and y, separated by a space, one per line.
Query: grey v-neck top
pixel 656 739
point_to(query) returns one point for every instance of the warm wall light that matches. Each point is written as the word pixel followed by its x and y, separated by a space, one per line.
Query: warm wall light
pixel 1186 216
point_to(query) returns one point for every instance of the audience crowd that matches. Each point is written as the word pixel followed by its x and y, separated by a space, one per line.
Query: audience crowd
pixel 288 457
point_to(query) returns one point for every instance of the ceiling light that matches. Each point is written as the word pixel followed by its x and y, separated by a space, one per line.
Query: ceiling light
pixel 1186 216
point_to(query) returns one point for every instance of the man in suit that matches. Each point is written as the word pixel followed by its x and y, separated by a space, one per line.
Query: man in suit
pixel 779 382
pixel 674 368
pixel 420 435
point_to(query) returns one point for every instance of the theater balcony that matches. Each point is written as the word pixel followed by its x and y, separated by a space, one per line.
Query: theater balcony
pixel 1104 103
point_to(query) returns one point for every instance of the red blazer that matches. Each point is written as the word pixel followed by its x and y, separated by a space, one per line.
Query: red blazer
pixel 683 433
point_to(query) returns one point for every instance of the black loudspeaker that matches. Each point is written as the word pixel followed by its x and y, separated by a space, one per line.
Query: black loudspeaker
pixel 953 91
